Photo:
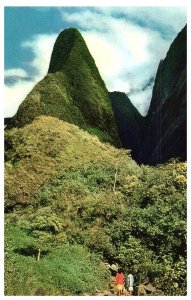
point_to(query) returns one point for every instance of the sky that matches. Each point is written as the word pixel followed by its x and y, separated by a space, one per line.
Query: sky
pixel 127 44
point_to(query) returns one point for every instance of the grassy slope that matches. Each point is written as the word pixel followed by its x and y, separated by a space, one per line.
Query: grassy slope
pixel 59 192
pixel 66 270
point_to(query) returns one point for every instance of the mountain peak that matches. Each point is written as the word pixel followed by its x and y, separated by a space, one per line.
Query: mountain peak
pixel 65 42
pixel 73 91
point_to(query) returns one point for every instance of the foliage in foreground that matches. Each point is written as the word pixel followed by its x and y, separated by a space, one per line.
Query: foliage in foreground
pixel 69 269
pixel 61 190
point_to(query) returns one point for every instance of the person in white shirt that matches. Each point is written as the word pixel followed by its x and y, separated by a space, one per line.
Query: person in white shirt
pixel 130 283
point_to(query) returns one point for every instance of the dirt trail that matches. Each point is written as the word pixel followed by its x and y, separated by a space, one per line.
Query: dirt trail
pixel 112 291
pixel 142 290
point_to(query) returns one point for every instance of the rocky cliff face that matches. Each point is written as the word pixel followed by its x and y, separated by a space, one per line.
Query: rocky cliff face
pixel 165 134
pixel 160 135
pixel 73 91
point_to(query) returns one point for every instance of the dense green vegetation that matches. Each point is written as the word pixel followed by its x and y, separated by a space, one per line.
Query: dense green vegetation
pixel 68 269
pixel 82 202
pixel 73 91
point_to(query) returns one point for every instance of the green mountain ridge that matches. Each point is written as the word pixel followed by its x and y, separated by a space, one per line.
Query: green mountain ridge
pixel 75 205
pixel 73 91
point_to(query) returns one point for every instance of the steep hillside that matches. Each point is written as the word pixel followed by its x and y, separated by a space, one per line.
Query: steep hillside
pixel 75 206
pixel 40 150
pixel 160 135
pixel 130 123
pixel 73 91
pixel 165 135
pixel 68 194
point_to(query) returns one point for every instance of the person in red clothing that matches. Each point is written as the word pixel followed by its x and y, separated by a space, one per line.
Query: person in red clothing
pixel 120 282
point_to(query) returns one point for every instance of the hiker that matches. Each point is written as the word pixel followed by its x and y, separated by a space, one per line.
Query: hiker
pixel 120 282
pixel 130 283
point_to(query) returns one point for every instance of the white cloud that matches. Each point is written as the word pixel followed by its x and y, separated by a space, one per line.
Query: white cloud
pixel 118 83
pixel 15 72
pixel 127 44
pixel 15 94
pixel 165 17
pixel 105 54
pixel 41 46
pixel 138 97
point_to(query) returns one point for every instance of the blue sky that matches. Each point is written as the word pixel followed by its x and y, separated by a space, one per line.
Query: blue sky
pixel 127 44
pixel 21 23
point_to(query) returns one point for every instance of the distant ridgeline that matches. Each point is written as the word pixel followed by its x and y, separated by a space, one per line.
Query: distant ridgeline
pixel 74 91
